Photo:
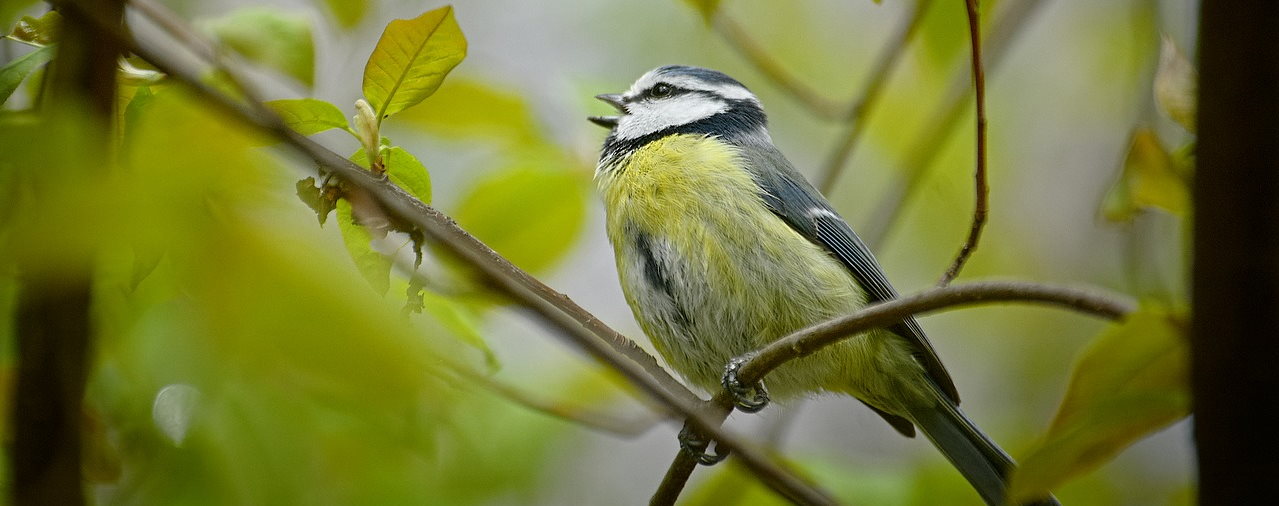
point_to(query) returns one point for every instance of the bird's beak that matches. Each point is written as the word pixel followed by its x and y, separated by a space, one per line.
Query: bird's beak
pixel 614 100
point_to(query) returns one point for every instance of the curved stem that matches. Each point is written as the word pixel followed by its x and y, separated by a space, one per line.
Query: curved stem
pixel 983 189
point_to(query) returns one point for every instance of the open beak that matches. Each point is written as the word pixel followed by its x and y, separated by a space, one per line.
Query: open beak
pixel 614 100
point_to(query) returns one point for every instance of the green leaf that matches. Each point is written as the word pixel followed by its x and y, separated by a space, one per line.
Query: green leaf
pixel 411 60
pixel 316 198
pixel 309 116
pixel 529 215
pixel 271 37
pixel 11 75
pixel 469 108
pixel 1176 84
pixel 41 31
pixel 1131 381
pixel 348 12
pixel 375 267
pixel 404 170
pixel 1151 179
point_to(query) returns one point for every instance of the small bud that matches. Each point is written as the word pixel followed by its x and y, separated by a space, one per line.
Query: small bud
pixel 1175 84
pixel 366 126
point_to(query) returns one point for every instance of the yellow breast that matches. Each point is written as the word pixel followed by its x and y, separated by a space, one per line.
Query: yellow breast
pixel 710 272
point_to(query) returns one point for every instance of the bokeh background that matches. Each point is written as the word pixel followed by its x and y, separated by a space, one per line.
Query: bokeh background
pixel 291 407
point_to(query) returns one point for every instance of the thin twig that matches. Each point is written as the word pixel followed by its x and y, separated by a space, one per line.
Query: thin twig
pixel 898 194
pixel 878 76
pixel 809 340
pixel 551 308
pixel 610 423
pixel 806 341
pixel 983 189
pixel 741 41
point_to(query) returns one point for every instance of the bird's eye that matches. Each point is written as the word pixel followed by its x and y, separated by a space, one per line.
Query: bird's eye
pixel 661 90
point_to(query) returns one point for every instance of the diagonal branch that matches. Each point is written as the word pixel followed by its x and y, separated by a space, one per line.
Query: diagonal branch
pixel 983 189
pixel 875 81
pixel 551 308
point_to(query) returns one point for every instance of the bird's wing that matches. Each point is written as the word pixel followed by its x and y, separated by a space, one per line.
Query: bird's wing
pixel 795 201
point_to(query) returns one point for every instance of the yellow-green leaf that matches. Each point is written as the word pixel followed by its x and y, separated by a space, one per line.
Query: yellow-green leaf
pixel 41 31
pixel 529 215
pixel 272 37
pixel 1131 381
pixel 375 267
pixel 403 169
pixel 309 116
pixel 411 60
pixel 348 12
pixel 1150 178
pixel 1176 84
pixel 12 74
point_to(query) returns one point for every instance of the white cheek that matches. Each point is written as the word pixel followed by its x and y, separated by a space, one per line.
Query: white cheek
pixel 648 117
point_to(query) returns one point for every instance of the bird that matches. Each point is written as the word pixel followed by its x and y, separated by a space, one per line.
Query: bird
pixel 722 247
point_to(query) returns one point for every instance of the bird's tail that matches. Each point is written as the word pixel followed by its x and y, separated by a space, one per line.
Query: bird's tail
pixel 982 462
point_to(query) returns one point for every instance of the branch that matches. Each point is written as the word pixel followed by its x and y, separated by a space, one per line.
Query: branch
pixel 806 341
pixel 983 190
pixel 923 152
pixel 550 307
pixel 741 41
pixel 875 81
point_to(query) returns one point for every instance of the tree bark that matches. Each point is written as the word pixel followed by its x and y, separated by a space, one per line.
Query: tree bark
pixel 53 320
pixel 1235 334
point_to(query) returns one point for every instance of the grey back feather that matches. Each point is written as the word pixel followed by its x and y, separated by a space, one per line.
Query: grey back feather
pixel 792 198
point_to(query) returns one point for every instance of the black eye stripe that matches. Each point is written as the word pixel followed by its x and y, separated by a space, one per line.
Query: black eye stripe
pixel 663 90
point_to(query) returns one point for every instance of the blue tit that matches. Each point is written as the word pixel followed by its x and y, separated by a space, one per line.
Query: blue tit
pixel 723 247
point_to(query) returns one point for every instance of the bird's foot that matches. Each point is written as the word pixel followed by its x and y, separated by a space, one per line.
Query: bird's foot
pixel 747 398
pixel 692 443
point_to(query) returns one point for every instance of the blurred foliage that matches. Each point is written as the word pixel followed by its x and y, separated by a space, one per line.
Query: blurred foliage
pixel 1132 380
pixel 1151 179
pixel 272 37
pixel 1176 84
pixel 37 31
pixel 240 358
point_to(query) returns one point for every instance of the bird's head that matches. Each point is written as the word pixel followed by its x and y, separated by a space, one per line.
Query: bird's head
pixel 673 97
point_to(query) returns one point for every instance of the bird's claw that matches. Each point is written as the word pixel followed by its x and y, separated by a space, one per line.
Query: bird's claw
pixel 747 398
pixel 692 443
